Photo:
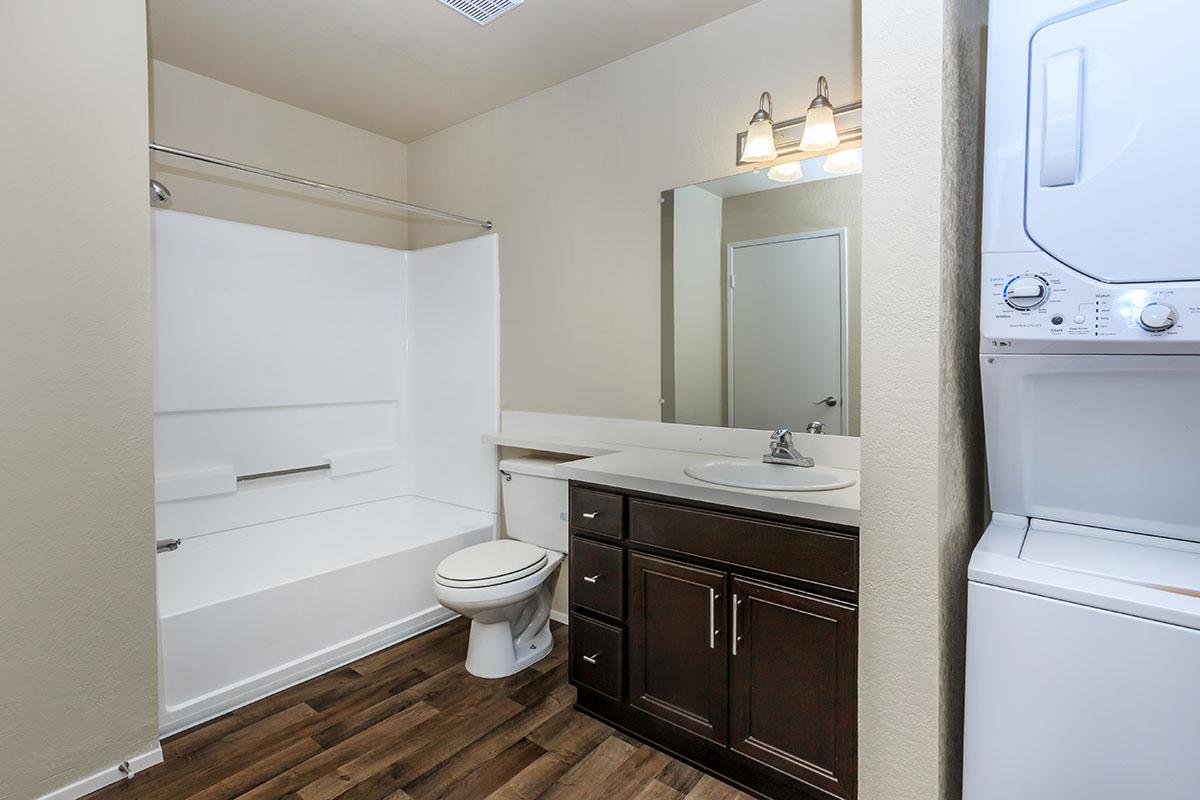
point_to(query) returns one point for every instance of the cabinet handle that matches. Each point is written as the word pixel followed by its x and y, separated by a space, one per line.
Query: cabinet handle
pixel 591 659
pixel 591 514
pixel 712 619
pixel 593 578
pixel 737 603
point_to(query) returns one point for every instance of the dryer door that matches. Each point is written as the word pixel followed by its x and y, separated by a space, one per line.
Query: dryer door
pixel 1107 441
pixel 1111 170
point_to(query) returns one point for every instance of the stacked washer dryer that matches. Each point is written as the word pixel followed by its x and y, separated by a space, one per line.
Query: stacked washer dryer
pixel 1083 651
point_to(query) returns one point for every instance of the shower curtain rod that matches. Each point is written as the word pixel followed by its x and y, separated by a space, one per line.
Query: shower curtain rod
pixel 280 176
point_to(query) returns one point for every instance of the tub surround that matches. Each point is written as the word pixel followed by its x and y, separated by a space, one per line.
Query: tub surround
pixel 645 456
pixel 373 371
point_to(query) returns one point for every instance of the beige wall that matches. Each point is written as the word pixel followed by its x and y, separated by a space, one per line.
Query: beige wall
pixel 77 623
pixel 572 177
pixel 834 203
pixel 197 113
pixel 923 499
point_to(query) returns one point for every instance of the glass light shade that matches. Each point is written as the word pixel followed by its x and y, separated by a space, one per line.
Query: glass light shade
pixel 786 173
pixel 760 142
pixel 844 161
pixel 819 131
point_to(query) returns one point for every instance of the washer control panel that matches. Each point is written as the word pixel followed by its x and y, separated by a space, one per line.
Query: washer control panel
pixel 1032 303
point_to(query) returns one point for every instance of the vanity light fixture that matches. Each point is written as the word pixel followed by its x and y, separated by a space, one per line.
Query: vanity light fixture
pixel 788 172
pixel 760 138
pixel 844 161
pixel 820 133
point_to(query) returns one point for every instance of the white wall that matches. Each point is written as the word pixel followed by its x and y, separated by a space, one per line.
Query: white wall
pixel 697 296
pixel 77 621
pixel 572 176
pixel 922 454
pixel 197 113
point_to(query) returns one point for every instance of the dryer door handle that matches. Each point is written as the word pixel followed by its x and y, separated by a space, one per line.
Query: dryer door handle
pixel 1062 103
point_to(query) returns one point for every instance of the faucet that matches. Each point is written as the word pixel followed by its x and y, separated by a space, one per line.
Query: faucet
pixel 816 426
pixel 783 452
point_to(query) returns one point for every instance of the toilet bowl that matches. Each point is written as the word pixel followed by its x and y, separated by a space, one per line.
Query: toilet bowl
pixel 505 586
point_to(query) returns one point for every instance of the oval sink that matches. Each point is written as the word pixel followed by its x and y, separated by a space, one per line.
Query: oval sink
pixel 769 477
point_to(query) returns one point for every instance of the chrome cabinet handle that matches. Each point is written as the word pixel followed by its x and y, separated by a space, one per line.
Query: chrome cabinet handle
pixel 830 401
pixel 593 578
pixel 591 659
pixel 737 603
pixel 712 618
pixel 591 514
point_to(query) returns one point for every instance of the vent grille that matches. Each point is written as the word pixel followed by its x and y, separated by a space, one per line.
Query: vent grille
pixel 482 11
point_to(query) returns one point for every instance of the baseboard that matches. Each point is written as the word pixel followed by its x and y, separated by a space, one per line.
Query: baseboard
pixel 560 616
pixel 178 719
pixel 106 777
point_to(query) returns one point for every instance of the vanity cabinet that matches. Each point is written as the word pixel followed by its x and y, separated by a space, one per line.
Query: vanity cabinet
pixel 725 637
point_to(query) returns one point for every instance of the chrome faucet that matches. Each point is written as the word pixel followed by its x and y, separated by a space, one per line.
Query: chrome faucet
pixel 783 452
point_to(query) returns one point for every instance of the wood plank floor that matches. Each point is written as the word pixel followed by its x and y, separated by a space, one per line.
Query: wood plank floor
pixel 409 723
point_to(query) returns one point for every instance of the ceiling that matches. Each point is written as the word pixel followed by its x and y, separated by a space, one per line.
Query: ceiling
pixel 408 68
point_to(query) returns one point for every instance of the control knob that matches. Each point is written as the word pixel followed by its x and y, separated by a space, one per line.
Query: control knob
pixel 1158 317
pixel 1026 293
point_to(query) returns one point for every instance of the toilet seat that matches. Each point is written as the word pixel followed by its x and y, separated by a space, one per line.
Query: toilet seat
pixel 490 564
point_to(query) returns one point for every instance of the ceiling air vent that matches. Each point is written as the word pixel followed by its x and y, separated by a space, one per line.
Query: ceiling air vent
pixel 482 11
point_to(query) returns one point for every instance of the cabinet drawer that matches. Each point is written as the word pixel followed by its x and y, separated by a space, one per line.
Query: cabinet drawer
pixel 597 575
pixel 819 557
pixel 597 656
pixel 598 512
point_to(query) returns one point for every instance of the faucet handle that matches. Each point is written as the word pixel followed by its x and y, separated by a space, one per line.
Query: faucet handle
pixel 782 436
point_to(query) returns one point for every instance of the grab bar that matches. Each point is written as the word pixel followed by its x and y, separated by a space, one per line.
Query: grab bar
pixel 254 476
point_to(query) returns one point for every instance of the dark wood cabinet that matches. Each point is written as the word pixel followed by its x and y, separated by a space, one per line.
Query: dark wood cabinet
pixel 727 638
pixel 678 664
pixel 792 699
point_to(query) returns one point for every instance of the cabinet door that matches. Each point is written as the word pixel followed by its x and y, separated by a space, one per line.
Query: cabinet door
pixel 678 663
pixel 793 687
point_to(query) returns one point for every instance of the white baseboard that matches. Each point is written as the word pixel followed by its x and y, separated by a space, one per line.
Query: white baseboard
pixel 106 776
pixel 560 616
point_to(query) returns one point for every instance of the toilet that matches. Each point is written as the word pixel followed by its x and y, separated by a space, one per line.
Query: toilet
pixel 505 586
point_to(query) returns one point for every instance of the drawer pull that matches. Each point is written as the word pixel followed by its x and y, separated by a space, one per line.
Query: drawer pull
pixel 593 578
pixel 591 514
pixel 592 659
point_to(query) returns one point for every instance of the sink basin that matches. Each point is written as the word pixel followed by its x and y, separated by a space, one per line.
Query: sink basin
pixel 769 477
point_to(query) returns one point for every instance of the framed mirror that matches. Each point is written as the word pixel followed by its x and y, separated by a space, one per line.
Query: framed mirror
pixel 760 299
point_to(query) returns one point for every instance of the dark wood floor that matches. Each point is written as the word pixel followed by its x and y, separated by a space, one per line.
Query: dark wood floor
pixel 410 723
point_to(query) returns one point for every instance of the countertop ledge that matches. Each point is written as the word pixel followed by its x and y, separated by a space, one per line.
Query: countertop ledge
pixel 641 469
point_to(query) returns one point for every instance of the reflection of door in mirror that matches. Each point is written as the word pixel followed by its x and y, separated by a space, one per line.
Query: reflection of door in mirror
pixel 786 331
pixel 760 301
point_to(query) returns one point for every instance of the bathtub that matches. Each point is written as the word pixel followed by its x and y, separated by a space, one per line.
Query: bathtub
pixel 247 612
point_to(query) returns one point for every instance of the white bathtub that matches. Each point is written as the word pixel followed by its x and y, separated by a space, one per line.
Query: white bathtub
pixel 246 612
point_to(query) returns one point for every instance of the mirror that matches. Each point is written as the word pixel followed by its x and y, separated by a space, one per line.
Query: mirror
pixel 760 300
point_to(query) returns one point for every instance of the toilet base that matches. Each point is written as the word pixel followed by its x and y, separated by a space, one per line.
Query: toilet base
pixel 492 652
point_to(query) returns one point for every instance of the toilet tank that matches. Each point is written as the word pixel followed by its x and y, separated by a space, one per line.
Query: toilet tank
pixel 535 501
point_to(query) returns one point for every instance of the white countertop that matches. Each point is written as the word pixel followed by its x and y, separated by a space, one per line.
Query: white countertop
pixel 646 456
pixel 661 472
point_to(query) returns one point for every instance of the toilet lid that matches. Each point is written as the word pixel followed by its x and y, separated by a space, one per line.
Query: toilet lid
pixel 491 563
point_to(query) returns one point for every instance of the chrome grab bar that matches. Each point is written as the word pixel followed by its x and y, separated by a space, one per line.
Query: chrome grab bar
pixel 256 476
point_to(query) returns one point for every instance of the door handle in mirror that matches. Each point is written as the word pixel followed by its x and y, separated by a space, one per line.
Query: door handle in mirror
pixel 830 401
